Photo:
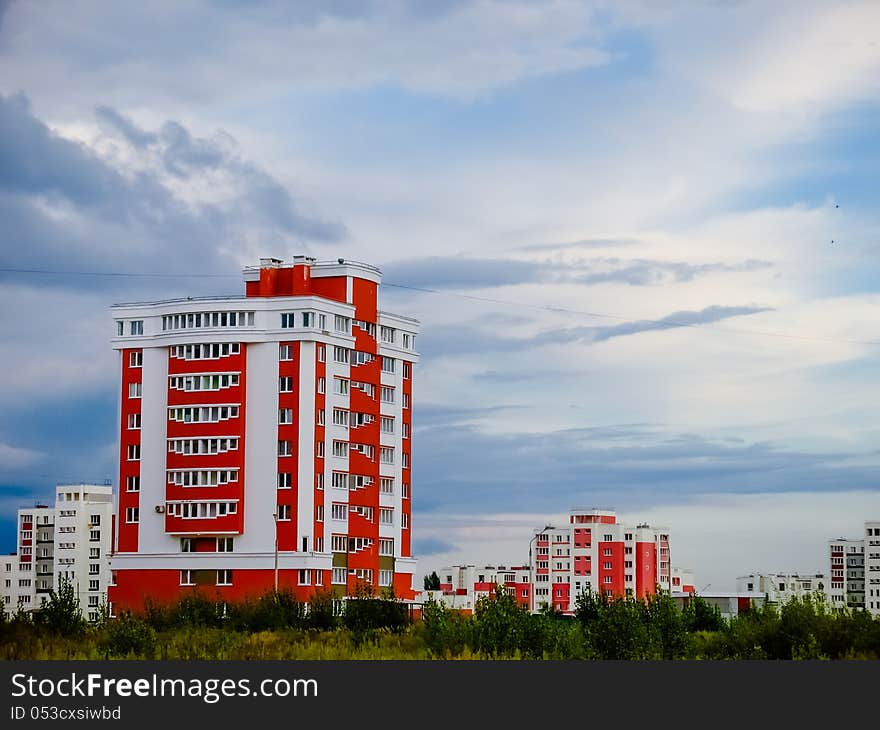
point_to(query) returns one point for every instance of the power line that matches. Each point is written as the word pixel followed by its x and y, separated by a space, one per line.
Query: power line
pixel 507 302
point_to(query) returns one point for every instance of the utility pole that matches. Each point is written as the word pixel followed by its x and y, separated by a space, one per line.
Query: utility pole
pixel 275 518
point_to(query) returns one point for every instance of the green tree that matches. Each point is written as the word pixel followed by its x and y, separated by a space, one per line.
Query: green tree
pixel 432 582
pixel 62 613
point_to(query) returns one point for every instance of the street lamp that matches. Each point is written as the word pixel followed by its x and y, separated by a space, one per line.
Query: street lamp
pixel 532 569
pixel 275 518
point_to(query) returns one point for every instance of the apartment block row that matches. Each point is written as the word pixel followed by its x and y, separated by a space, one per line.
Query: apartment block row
pixel 592 552
pixel 68 541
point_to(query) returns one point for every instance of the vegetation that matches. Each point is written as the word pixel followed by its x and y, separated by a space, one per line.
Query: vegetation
pixel 432 582
pixel 277 626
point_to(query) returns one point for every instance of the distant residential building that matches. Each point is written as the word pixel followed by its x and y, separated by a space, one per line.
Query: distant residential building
pixel 593 552
pixel 847 573
pixel 69 541
pixel 782 587
pixel 872 567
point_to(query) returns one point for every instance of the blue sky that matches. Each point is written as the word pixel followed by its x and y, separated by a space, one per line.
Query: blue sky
pixel 591 175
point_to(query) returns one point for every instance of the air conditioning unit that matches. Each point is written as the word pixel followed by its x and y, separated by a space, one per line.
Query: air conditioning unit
pixel 160 509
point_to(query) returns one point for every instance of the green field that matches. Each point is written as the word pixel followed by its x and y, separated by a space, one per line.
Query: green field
pixel 276 626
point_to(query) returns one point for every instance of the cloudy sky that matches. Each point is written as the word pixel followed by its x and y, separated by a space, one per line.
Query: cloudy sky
pixel 649 231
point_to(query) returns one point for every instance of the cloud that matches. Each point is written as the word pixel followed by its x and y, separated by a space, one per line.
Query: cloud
pixel 177 203
pixel 424 547
pixel 14 457
pixel 707 315
pixel 460 272
pixel 581 244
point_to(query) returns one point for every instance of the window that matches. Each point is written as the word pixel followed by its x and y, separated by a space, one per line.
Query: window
pixel 224 577
pixel 339 480
pixel 405 430
pixel 322 321
pixel 386 424
pixel 322 353
pixel 339 543
pixel 338 511
pixel 319 513
pixel 339 576
pixel 340 417
pixel 342 324
pixel 285 352
pixel 133 484
pixel 285 448
pixel 386 485
pixel 387 394
pixel 386 546
pixel 340 448
pixel 132 515
pixel 405 460
pixel 224 545
pixel 340 386
pixel 288 320
pixel 386 516
pixel 94 585
pixel 137 327
pixel 94 569
pixel 386 577
pixel 341 354
pixel 408 340
pixel 404 492
pixel 387 364
pixel 186 578
pixel 386 334
pixel 120 328
pixel 406 400
pixel 134 452
pixel 285 384
pixel 187 545
pixel 134 421
pixel 607 579
pixel 135 359
pixel 407 371
pixel 404 520
pixel 361 358
pixel 319 481
pixel 319 417
pixel 321 385
pixel 285 416
pixel 283 512
pixel 308 319
pixel 94 553
pixel 93 601
pixel 386 455
pixel 95 535
pixel 134 390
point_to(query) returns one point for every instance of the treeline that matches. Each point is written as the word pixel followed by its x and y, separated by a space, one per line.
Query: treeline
pixel 631 628
pixel 277 626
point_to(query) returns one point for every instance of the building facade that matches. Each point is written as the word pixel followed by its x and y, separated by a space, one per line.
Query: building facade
pixel 847 574
pixel 69 541
pixel 872 567
pixel 266 438
pixel 782 587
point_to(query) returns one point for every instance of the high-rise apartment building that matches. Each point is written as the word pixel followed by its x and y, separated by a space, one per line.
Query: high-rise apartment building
pixel 782 587
pixel 266 438
pixel 68 541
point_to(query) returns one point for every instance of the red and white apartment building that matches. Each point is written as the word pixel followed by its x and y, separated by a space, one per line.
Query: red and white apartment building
pixel 593 552
pixel 855 570
pixel 265 437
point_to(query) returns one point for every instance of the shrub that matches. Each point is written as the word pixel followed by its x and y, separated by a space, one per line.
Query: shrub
pixel 128 635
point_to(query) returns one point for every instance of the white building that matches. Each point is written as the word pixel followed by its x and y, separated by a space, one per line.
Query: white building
pixel 847 573
pixel 872 567
pixel 70 541
pixel 782 587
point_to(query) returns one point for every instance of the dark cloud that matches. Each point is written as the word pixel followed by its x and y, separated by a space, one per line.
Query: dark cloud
pixel 674 320
pixel 458 272
pixel 65 207
pixel 456 340
pixel 463 470
pixel 431 546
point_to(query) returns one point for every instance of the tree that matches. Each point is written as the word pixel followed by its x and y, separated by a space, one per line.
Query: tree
pixel 62 613
pixel 432 582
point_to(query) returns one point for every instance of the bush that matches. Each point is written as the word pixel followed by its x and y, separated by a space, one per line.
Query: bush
pixel 128 636
pixel 61 614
